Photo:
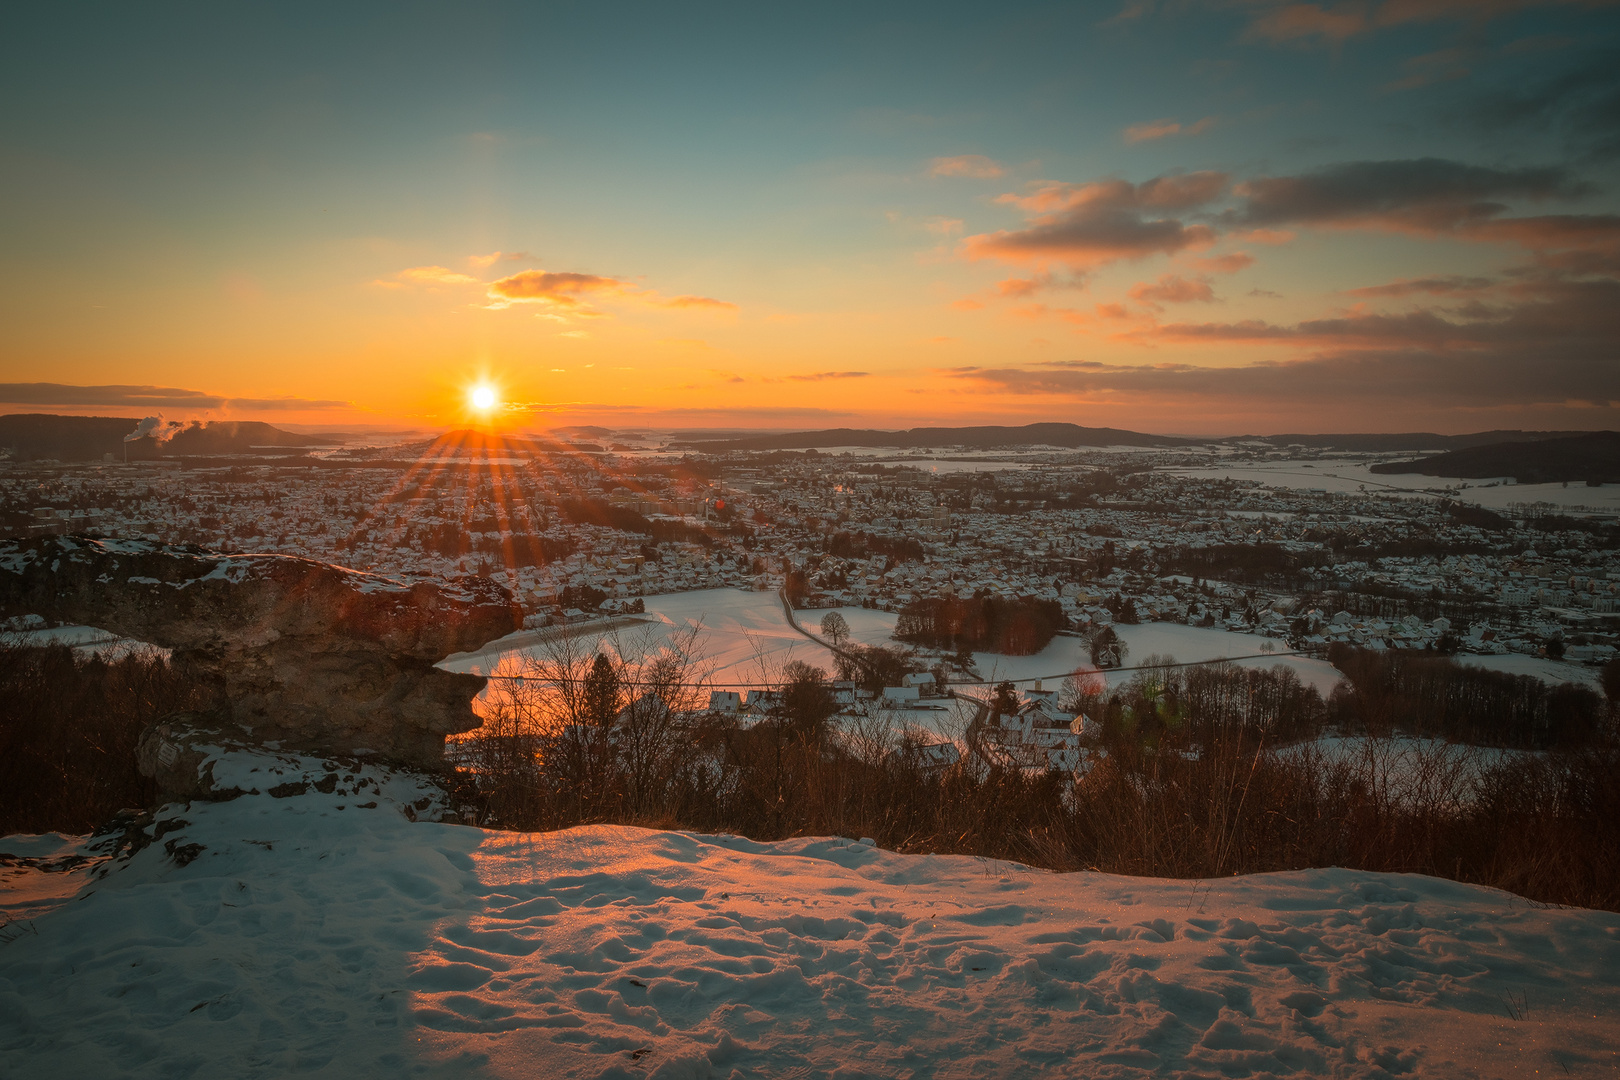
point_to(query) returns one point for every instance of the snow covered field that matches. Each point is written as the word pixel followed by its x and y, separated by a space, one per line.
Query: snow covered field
pixel 744 638
pixel 1345 476
pixel 313 935
pixel 1188 644
pixel 1548 671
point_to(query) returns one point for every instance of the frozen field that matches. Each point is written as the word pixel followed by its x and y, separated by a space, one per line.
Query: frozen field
pixel 1348 477
pixel 315 935
pixel 1550 671
pixel 1186 643
pixel 743 638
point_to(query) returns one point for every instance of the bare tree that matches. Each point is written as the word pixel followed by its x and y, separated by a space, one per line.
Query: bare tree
pixel 835 628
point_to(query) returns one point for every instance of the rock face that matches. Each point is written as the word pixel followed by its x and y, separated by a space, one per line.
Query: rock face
pixel 315 657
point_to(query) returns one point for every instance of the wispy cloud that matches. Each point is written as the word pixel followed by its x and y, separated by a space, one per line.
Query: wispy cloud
pixel 486 261
pixel 573 292
pixel 1224 264
pixel 1173 289
pixel 826 376
pixel 1449 285
pixel 976 166
pixel 1285 22
pixel 1160 129
pixel 427 275
pixel 696 302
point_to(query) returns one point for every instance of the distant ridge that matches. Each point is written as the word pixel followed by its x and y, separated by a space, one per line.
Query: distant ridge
pixel 978 438
pixel 1412 440
pixel 1593 456
pixel 31 436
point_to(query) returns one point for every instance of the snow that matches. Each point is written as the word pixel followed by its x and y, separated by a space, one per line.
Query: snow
pixel 1548 671
pixel 84 641
pixel 1346 476
pixel 1188 644
pixel 744 638
pixel 307 940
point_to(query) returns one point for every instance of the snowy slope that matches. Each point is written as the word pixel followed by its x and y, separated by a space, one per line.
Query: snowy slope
pixel 313 936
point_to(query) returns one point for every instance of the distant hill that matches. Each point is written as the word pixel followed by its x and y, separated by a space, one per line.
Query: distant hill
pixel 233 437
pixel 977 438
pixel 1592 456
pixel 1412 440
pixel 31 436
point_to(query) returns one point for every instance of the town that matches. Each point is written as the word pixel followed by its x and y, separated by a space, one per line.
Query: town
pixel 1109 537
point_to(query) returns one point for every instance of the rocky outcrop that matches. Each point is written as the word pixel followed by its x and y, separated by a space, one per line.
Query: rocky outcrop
pixel 290 652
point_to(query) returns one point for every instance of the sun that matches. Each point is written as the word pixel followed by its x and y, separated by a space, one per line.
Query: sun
pixel 483 397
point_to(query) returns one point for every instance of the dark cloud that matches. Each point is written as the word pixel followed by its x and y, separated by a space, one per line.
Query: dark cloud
pixel 1421 195
pixel 147 397
pixel 1086 225
pixel 1450 285
pixel 1548 345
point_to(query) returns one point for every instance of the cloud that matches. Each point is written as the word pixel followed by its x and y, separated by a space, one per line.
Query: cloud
pixel 1017 288
pixel 430 275
pixel 144 397
pixel 1173 289
pixel 976 166
pixel 1288 23
pixel 1225 264
pixel 696 302
pixel 573 293
pixel 1549 346
pixel 563 289
pixel 1087 225
pixel 1159 129
pixel 485 261
pixel 1450 285
pixel 825 376
pixel 1422 195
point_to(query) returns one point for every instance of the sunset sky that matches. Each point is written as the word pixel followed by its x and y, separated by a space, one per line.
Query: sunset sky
pixel 1186 217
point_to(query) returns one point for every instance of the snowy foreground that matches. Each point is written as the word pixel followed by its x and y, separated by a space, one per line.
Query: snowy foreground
pixel 314 934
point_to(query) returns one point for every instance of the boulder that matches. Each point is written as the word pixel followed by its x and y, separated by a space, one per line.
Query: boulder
pixel 290 652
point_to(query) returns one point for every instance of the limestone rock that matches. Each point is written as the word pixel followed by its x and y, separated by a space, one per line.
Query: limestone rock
pixel 305 654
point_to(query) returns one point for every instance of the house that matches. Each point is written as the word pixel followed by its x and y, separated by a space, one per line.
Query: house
pixel 726 701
